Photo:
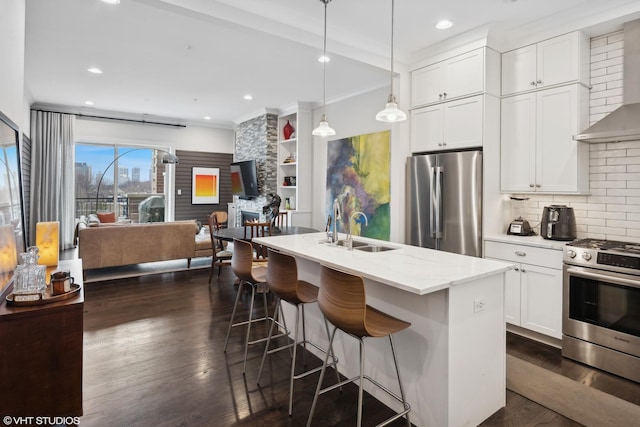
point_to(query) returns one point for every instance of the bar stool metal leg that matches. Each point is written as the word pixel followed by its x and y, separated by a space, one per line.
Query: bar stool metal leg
pixel 294 344
pixel 233 314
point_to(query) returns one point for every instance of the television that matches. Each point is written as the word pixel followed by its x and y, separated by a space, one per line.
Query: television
pixel 244 179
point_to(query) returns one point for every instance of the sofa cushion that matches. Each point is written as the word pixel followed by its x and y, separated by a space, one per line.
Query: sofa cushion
pixel 203 242
pixel 106 217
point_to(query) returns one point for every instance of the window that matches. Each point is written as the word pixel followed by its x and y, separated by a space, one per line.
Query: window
pixel 118 179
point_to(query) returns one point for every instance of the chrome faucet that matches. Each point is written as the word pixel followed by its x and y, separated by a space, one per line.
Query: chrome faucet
pixel 337 214
pixel 350 236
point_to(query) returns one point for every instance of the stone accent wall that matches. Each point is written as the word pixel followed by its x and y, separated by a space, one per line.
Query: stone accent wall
pixel 612 211
pixel 257 139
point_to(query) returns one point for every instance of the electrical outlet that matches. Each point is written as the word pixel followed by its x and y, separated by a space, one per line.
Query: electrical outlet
pixel 479 305
pixel 179 192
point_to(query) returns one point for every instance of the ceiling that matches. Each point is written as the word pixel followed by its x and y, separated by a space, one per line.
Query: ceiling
pixel 187 59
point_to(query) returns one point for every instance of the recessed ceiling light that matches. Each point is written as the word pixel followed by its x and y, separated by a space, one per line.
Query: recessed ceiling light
pixel 248 97
pixel 323 58
pixel 112 1
pixel 444 24
pixel 88 102
pixel 207 118
pixel 94 70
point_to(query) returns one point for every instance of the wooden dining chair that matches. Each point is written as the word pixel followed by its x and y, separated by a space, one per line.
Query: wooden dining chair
pixel 282 220
pixel 220 256
pixel 257 229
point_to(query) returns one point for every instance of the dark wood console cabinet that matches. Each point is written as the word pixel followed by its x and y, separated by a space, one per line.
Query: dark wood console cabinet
pixel 41 355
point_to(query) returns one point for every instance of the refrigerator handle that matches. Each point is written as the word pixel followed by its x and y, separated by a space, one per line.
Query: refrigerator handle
pixel 438 204
pixel 433 203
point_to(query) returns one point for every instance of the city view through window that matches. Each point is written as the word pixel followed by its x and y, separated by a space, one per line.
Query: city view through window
pixel 118 179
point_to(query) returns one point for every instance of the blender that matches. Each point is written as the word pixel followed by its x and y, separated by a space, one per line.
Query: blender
pixel 519 226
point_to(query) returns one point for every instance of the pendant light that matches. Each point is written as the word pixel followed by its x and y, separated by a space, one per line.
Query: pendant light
pixel 323 128
pixel 391 112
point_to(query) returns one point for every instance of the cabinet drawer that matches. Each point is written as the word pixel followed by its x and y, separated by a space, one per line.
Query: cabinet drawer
pixel 525 254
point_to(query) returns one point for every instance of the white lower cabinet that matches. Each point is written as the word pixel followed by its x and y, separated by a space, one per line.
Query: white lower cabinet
pixel 533 290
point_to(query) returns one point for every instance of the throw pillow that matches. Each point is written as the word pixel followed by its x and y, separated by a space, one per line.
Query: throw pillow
pixel 93 221
pixel 106 217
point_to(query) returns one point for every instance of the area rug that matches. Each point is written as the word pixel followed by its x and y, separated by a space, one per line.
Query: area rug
pixel 569 398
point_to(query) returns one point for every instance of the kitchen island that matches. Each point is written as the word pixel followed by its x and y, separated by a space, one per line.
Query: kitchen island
pixel 452 358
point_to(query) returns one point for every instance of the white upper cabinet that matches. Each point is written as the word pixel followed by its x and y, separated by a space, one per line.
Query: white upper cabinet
pixel 538 153
pixel 560 60
pixel 449 125
pixel 462 75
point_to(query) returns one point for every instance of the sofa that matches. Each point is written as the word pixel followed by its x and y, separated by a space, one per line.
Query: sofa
pixel 117 244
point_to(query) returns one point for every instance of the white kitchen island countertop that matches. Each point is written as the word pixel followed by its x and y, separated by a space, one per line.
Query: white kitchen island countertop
pixel 452 357
pixel 410 268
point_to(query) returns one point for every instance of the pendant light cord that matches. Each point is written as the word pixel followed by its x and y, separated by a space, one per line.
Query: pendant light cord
pixel 324 61
pixel 392 20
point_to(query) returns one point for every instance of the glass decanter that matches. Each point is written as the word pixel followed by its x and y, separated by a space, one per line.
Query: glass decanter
pixel 30 277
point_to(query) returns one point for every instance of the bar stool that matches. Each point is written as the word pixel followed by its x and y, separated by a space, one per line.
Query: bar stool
pixel 342 300
pixel 282 279
pixel 252 275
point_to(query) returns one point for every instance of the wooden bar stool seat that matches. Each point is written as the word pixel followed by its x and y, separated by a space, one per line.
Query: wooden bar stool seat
pixel 282 279
pixel 342 301
pixel 252 275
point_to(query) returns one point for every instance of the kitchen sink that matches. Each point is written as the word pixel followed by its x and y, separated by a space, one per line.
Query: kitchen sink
pixel 360 245
pixel 373 248
pixel 354 243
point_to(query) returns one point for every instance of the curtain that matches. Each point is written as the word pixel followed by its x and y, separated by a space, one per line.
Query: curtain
pixel 52 173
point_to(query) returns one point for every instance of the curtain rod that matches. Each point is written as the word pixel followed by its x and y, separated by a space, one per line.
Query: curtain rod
pixel 112 118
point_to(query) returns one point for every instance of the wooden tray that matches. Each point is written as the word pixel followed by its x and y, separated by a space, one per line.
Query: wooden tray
pixel 47 298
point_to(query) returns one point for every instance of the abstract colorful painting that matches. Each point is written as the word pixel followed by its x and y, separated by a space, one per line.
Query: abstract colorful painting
pixel 205 186
pixel 358 177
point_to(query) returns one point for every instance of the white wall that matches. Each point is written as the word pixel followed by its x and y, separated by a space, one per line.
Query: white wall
pixel 12 27
pixel 190 138
pixel 357 116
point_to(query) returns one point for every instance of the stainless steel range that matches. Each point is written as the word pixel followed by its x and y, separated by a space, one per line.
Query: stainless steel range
pixel 601 305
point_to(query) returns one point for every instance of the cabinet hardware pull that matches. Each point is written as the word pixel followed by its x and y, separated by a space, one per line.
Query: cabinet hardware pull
pixel 516 269
pixel 439 144
pixel 523 270
pixel 532 83
pixel 520 253
pixel 445 94
pixel 539 82
pixel 538 186
pixel 440 95
pixel 531 185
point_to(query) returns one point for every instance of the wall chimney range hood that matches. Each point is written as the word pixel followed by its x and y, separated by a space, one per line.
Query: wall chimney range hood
pixel 623 123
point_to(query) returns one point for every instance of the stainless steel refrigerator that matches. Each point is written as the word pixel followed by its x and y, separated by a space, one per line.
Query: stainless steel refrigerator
pixel 444 201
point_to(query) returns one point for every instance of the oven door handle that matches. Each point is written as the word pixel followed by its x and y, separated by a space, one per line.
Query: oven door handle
pixel 611 278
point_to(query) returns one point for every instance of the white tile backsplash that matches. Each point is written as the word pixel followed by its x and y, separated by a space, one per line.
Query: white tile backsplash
pixel 612 210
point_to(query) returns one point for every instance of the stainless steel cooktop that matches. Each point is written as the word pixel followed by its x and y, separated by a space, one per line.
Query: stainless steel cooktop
pixel 604 254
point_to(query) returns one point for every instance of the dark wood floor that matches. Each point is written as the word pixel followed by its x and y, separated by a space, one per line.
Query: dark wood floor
pixel 153 357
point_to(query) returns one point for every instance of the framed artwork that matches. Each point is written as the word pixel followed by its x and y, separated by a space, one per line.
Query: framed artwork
pixel 358 175
pixel 205 186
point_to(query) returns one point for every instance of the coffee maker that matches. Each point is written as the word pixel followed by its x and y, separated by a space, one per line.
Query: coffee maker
pixel 558 223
